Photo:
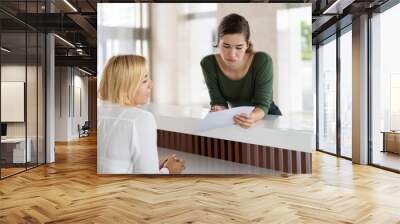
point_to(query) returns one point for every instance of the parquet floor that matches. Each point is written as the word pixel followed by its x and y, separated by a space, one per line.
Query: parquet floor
pixel 70 191
pixel 9 171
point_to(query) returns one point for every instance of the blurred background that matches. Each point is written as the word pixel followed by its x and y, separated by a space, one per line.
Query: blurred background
pixel 175 37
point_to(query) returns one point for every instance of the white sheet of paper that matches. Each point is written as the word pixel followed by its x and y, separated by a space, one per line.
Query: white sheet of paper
pixel 222 118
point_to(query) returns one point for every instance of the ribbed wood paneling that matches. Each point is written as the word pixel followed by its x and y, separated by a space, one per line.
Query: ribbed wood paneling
pixel 284 160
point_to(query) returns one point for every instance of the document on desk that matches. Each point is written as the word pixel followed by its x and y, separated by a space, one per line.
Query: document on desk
pixel 222 118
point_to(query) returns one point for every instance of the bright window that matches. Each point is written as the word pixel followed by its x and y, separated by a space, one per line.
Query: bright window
pixel 327 96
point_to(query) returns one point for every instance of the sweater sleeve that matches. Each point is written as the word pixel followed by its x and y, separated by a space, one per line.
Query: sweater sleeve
pixel 210 77
pixel 263 84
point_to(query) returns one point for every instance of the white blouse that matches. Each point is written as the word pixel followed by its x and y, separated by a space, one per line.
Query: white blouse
pixel 126 140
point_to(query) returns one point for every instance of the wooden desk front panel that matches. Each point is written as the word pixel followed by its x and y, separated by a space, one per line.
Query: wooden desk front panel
pixel 284 160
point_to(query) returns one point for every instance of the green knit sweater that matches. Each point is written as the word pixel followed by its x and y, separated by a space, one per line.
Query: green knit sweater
pixel 254 89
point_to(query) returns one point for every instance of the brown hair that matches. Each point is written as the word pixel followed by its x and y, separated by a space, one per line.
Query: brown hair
pixel 121 78
pixel 234 24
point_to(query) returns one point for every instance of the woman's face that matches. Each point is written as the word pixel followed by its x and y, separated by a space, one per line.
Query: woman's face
pixel 232 48
pixel 143 92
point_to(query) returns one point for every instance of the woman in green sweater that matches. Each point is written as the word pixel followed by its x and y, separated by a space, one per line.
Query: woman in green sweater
pixel 238 75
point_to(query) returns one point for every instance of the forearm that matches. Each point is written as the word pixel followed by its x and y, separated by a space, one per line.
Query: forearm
pixel 257 114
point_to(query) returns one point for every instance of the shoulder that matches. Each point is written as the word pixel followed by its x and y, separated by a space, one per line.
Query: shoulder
pixel 208 60
pixel 144 118
pixel 261 58
pixel 262 65
pixel 136 114
pixel 142 114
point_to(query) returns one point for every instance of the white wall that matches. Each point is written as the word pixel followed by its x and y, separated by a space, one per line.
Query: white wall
pixel 61 103
pixel 67 81
pixel 33 126
pixel 80 83
pixel 167 67
pixel 17 73
pixel 12 100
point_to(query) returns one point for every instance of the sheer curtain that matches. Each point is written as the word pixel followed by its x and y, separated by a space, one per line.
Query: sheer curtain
pixel 124 32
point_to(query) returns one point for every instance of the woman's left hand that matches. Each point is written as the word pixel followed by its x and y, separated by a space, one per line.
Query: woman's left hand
pixel 244 120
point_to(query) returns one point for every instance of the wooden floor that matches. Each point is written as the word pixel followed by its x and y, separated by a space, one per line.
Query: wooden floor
pixel 70 191
pixel 10 171
pixel 5 172
pixel 387 159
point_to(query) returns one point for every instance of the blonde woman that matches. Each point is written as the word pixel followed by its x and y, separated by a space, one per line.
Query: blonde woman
pixel 127 139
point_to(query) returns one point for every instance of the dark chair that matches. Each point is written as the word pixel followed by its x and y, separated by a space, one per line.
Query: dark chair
pixel 84 130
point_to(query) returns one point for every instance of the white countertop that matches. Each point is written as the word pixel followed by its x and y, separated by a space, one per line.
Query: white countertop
pixel 293 132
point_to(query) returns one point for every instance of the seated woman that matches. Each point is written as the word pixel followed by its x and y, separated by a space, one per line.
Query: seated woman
pixel 238 75
pixel 127 135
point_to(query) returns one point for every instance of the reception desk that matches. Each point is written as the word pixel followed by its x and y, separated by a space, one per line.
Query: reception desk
pixel 282 143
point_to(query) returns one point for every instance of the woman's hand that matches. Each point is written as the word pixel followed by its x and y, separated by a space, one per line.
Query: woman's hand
pixel 164 160
pixel 244 120
pixel 216 108
pixel 247 120
pixel 174 165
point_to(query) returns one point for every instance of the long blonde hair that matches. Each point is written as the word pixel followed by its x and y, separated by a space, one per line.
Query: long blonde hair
pixel 121 77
